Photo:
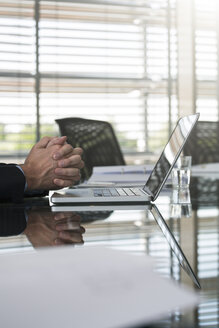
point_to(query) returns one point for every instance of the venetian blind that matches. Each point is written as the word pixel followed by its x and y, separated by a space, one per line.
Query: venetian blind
pixel 206 58
pixel 108 60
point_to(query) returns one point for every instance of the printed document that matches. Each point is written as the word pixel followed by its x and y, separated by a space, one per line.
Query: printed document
pixel 85 287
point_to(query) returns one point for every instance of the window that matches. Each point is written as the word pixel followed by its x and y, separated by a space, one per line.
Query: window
pixel 120 61
pixel 17 77
pixel 110 60
pixel 206 60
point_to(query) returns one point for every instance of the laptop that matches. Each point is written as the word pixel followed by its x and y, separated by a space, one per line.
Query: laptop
pixel 155 182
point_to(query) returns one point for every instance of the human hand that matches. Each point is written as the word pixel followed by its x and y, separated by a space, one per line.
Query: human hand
pixel 52 164
pixel 68 159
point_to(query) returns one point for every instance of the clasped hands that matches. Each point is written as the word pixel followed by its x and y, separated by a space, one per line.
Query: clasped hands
pixel 52 164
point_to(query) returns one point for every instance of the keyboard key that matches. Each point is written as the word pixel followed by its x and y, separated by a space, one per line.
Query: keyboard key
pixel 98 193
pixel 114 192
pixel 106 193
pixel 121 192
pixel 128 191
pixel 137 192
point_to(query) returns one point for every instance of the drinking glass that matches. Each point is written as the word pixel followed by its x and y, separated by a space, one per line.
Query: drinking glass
pixel 181 172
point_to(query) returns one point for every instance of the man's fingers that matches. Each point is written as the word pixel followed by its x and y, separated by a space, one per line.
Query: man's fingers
pixel 67 172
pixel 73 161
pixel 61 183
pixel 50 141
pixel 77 151
pixel 43 142
pixel 57 141
pixel 66 151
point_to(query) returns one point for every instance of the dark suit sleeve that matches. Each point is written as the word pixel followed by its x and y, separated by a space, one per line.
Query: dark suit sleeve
pixel 12 220
pixel 12 183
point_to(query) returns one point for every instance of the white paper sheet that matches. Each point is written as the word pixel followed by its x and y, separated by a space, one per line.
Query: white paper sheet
pixel 120 174
pixel 84 287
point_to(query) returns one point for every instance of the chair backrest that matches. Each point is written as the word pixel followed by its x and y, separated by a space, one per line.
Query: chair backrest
pixel 97 139
pixel 203 143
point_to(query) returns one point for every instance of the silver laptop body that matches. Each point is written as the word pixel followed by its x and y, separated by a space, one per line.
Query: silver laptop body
pixel 153 185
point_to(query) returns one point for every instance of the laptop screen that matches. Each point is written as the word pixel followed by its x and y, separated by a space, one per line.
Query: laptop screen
pixel 170 154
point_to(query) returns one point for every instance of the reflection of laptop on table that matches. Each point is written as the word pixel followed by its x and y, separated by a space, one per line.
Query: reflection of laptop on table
pixel 154 183
pixel 174 245
pixel 89 214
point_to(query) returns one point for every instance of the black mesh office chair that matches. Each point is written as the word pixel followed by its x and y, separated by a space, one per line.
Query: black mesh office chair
pixel 204 191
pixel 97 139
pixel 203 143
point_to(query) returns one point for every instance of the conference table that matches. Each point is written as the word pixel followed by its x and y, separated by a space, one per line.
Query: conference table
pixel 182 240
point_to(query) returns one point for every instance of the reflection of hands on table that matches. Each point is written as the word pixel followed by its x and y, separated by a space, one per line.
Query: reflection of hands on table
pixel 45 228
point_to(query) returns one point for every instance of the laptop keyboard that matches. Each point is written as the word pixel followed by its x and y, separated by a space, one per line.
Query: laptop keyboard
pixel 116 192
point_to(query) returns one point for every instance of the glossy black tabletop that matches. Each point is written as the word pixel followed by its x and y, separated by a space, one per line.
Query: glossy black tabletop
pixel 181 233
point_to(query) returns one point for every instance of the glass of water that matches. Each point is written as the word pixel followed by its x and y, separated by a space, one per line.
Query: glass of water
pixel 181 172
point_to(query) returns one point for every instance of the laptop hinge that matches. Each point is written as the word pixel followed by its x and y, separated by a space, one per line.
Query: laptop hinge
pixel 147 191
